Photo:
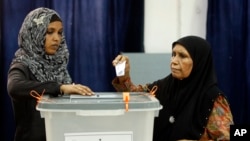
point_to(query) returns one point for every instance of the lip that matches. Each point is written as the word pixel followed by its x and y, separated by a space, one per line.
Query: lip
pixel 175 69
pixel 55 46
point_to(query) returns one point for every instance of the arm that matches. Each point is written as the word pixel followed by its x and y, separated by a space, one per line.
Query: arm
pixel 20 83
pixel 219 122
pixel 127 86
pixel 124 83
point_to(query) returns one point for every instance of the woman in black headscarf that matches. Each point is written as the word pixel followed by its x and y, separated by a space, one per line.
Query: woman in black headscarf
pixel 40 64
pixel 194 108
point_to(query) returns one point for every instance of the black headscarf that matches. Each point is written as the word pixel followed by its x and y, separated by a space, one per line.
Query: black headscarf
pixel 187 103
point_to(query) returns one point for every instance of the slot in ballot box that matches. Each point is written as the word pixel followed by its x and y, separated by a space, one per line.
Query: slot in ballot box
pixel 105 116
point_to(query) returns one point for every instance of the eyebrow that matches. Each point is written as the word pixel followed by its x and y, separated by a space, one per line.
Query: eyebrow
pixel 52 28
pixel 183 52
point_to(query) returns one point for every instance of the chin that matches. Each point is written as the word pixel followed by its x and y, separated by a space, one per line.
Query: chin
pixel 177 77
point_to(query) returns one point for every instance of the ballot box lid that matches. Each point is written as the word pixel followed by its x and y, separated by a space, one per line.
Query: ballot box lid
pixel 136 101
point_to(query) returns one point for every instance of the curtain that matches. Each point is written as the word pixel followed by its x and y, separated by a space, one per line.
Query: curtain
pixel 228 28
pixel 96 32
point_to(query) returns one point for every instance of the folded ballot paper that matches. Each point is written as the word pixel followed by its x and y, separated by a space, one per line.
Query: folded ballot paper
pixel 120 69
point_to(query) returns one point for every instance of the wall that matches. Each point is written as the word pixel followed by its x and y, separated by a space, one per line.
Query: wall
pixel 165 22
pixel 168 20
pixel 148 67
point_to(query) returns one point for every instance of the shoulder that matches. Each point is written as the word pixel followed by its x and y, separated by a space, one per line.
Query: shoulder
pixel 213 94
pixel 20 66
pixel 162 81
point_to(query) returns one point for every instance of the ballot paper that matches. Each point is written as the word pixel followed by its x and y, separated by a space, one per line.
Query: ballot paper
pixel 120 69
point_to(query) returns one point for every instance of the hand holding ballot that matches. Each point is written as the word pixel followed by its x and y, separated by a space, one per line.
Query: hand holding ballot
pixel 122 65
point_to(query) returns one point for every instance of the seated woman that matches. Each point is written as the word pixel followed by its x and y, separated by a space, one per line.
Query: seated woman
pixel 194 108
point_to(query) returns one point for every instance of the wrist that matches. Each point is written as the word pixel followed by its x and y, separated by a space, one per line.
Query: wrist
pixel 61 90
pixel 124 78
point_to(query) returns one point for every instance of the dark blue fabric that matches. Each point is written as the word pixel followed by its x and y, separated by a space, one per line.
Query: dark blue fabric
pixel 228 28
pixel 96 31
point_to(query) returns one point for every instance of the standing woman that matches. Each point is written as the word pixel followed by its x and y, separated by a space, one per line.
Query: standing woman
pixel 40 64
pixel 194 108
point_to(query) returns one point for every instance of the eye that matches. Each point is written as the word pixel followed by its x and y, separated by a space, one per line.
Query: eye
pixel 182 55
pixel 49 32
pixel 60 33
pixel 173 54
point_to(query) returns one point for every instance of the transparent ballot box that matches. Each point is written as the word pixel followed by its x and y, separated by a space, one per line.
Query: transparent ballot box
pixel 105 116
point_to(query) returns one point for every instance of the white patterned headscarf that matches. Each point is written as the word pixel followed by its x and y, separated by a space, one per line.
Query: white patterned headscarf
pixel 31 52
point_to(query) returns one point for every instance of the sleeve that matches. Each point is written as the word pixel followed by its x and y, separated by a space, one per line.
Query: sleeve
pixel 20 83
pixel 127 86
pixel 219 122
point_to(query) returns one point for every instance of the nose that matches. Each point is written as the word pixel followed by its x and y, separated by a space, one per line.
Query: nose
pixel 174 60
pixel 56 37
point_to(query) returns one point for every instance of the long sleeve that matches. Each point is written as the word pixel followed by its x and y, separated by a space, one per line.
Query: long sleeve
pixel 21 82
pixel 218 127
pixel 127 85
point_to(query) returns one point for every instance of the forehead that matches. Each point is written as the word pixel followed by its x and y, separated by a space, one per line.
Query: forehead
pixel 179 48
pixel 55 25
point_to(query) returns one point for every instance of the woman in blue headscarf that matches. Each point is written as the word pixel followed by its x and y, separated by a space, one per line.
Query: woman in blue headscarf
pixel 40 64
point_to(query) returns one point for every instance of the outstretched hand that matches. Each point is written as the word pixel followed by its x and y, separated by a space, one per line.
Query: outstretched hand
pixel 76 89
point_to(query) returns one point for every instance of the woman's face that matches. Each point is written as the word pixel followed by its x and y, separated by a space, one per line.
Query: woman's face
pixel 53 37
pixel 181 62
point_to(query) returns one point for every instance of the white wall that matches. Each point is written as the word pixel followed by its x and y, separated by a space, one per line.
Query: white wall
pixel 168 20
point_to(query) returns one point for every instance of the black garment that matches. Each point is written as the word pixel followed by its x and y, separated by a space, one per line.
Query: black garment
pixel 29 124
pixel 190 117
pixel 187 103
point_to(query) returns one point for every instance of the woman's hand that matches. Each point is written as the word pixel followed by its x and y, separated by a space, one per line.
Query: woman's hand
pixel 120 59
pixel 76 89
